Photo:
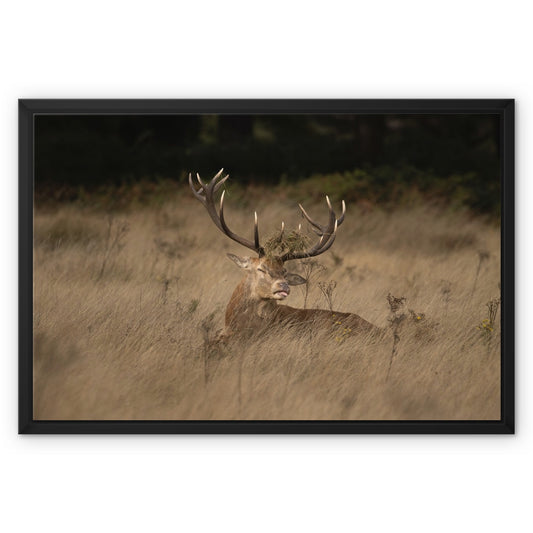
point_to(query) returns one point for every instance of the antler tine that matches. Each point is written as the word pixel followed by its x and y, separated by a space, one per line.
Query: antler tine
pixel 203 187
pixel 340 220
pixel 218 173
pixel 309 219
pixel 220 183
pixel 206 193
pixel 195 192
pixel 202 184
pixel 323 229
pixel 326 233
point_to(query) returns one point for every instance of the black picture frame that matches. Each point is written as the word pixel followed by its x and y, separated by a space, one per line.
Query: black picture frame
pixel 28 109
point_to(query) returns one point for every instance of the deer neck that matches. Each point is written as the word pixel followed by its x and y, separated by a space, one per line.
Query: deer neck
pixel 245 305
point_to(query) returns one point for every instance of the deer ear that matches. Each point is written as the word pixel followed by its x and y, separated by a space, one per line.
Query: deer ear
pixel 294 279
pixel 243 262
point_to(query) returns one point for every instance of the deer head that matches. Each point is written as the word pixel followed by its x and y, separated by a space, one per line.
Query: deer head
pixel 269 280
pixel 267 277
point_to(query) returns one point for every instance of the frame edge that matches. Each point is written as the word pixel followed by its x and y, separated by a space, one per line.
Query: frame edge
pixel 25 257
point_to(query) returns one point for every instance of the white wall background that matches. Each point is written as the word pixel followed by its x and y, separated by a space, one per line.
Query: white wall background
pixel 332 49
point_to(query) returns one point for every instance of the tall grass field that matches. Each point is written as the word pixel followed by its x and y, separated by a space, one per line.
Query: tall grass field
pixel 128 302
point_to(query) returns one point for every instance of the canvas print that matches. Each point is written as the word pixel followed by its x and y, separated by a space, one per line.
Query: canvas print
pixel 263 267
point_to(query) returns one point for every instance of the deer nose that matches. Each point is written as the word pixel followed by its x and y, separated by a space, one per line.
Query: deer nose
pixel 284 286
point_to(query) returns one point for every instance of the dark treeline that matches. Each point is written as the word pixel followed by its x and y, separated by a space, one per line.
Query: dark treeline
pixel 91 151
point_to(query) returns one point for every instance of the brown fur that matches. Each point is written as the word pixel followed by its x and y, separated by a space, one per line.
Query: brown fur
pixel 254 305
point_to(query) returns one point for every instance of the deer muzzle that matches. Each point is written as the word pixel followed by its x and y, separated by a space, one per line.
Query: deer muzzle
pixel 282 290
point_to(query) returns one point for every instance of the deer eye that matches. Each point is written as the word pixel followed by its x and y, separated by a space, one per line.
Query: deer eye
pixel 261 270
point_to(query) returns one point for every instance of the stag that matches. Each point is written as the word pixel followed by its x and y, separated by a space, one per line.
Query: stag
pixel 254 302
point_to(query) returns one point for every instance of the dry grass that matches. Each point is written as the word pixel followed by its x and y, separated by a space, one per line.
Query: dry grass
pixel 120 330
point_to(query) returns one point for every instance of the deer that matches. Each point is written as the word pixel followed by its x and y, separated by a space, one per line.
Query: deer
pixel 255 303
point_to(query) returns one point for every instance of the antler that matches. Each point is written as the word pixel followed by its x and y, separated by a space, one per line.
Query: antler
pixel 206 195
pixel 326 233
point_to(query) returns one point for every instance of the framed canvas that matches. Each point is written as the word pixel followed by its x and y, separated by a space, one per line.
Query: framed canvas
pixel 355 274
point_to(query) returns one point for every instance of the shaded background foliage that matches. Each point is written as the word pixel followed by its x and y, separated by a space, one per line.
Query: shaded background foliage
pixel 454 158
